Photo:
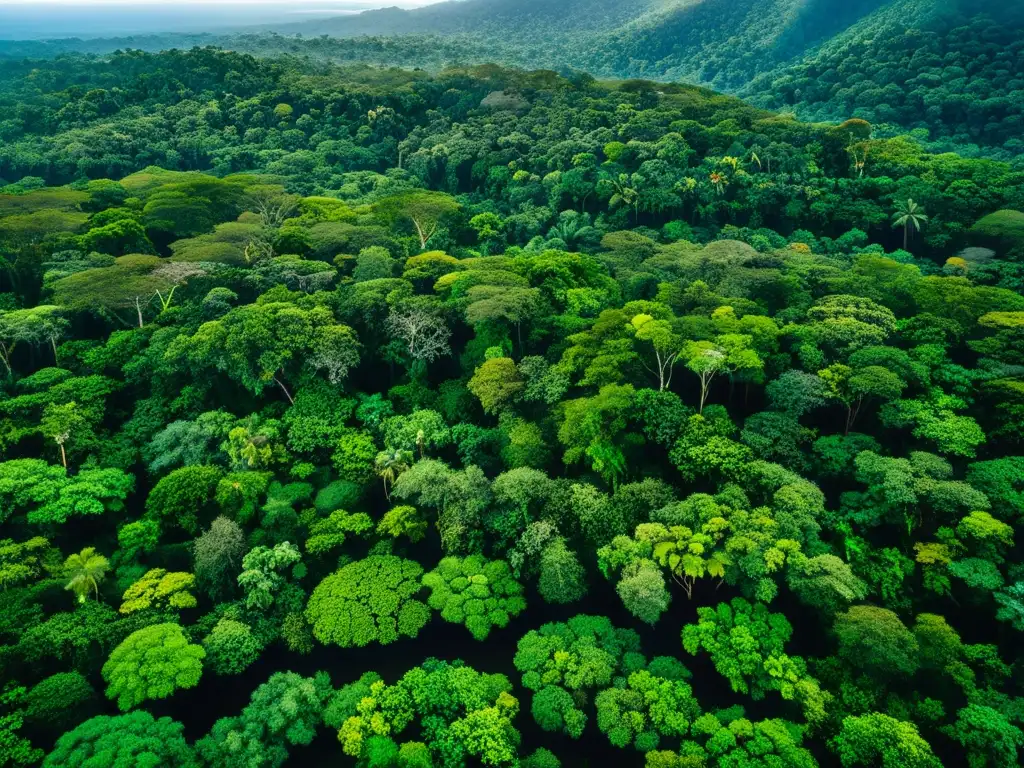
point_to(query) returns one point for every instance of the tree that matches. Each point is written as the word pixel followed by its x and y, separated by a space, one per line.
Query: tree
pixel 30 327
pixel 354 455
pixel 426 210
pixel 989 738
pixel 853 386
pixel 50 496
pixel 1011 605
pixel 15 749
pixel 130 283
pixel 180 497
pixel 370 600
pixel 419 431
pixel 218 555
pixel 389 465
pixel 877 739
pixel 497 384
pixel 797 392
pixel 58 424
pixel 26 561
pixel 136 738
pixel 875 640
pixel 826 582
pixel 707 360
pixel 476 592
pixel 267 343
pixel 327 534
pixel 729 739
pixel 747 646
pixel 231 647
pixel 283 712
pixel 642 589
pixel 271 202
pixel 262 576
pixel 565 664
pixel 60 701
pixel 152 663
pixel 161 591
pixel 562 578
pixel 591 428
pixel 84 571
pixel 423 333
pixel 646 709
pixel 473 713
pixel 667 346
pixel 403 521
pixel 908 214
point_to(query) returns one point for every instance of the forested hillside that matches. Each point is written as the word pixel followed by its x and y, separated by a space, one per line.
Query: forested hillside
pixel 949 70
pixel 958 78
pixel 357 416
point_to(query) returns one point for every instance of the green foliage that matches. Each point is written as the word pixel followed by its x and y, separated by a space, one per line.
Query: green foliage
pixel 875 640
pixel 230 647
pixel 133 739
pixel 330 533
pixel 85 570
pixel 565 664
pixel 218 555
pixel 161 591
pixel 645 710
pixel 697 301
pixel 152 663
pixel 403 520
pixel 178 497
pixel 988 737
pixel 562 578
pixel 60 701
pixel 476 592
pixel 283 712
pixel 370 600
pixel 262 576
pixel 747 646
pixel 877 739
pixel 50 497
pixel 462 714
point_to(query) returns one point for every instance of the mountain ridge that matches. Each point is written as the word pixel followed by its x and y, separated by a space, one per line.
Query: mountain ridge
pixel 951 71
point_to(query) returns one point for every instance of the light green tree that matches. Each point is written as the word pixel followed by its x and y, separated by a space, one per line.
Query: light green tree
pixel 84 571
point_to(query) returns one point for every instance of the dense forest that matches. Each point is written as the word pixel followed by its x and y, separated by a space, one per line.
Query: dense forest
pixel 950 72
pixel 488 417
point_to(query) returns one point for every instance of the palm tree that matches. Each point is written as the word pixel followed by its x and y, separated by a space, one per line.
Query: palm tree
pixel 622 192
pixel 85 570
pixel 719 182
pixel 908 214
pixel 389 465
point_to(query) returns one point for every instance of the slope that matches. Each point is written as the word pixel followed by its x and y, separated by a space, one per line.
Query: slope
pixel 486 18
pixel 953 71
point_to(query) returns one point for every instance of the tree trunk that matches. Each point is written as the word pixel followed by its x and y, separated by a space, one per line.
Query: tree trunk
pixel 63 456
pixel 138 310
pixel 284 389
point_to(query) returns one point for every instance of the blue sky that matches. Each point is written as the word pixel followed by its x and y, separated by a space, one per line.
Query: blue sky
pixel 36 19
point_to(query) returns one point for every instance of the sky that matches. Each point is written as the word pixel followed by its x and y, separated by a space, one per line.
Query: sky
pixel 38 19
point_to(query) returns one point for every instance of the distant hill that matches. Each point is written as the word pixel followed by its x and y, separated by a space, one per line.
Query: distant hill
pixel 487 17
pixel 951 70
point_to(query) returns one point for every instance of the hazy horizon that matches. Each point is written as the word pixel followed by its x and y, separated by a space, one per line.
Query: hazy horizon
pixel 50 19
